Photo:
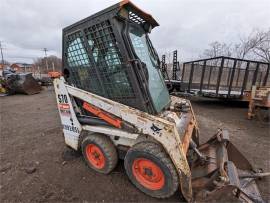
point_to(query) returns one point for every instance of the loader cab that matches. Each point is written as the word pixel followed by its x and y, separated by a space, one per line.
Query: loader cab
pixel 110 54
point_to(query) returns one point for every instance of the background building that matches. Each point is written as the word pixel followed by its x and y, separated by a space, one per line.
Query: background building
pixel 22 67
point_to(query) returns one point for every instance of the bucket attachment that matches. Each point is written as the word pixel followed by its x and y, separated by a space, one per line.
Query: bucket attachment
pixel 222 173
pixel 23 83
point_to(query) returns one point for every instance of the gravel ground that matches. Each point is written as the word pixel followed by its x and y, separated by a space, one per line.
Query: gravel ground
pixel 36 166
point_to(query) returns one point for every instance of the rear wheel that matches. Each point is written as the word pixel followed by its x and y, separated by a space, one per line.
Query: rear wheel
pixel 151 170
pixel 99 153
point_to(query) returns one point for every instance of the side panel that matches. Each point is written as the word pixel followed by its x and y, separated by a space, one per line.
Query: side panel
pixel 118 137
pixel 71 126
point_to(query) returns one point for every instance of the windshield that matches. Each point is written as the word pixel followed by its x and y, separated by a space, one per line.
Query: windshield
pixel 157 87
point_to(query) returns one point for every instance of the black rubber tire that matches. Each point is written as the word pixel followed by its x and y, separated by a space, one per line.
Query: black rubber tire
pixel 155 153
pixel 106 146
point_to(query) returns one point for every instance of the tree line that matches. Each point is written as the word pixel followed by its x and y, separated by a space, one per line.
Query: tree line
pixel 47 64
pixel 256 46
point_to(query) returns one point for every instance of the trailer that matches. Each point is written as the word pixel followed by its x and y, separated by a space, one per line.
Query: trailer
pixel 219 77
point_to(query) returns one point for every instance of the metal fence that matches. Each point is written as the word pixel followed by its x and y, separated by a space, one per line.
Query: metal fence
pixel 220 76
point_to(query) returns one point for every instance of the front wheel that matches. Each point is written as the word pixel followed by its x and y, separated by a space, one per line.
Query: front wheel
pixel 99 153
pixel 151 170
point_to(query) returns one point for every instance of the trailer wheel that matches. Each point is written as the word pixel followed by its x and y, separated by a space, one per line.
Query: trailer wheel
pixel 99 153
pixel 151 170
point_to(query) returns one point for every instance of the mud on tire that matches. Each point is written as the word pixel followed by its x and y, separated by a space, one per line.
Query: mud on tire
pixel 151 170
pixel 99 153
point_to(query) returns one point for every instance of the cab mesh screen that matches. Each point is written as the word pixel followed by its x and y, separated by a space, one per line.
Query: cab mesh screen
pixel 96 63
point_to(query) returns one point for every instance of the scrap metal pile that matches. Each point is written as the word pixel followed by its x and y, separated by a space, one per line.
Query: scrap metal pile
pixel 22 83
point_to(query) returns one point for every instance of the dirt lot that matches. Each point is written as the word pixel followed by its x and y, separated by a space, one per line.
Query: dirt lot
pixel 36 165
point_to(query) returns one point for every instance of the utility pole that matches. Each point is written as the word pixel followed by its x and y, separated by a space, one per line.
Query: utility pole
pixel 24 65
pixel 2 53
pixel 39 72
pixel 46 60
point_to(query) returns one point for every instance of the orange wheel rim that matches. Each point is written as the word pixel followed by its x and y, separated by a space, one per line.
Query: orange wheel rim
pixel 95 156
pixel 148 174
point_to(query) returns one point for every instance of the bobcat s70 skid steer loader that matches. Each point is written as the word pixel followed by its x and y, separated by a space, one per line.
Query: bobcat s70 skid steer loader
pixel 113 104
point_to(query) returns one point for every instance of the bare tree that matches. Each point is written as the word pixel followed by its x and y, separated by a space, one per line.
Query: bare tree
pixel 247 44
pixel 54 63
pixel 217 49
pixel 255 46
pixel 262 48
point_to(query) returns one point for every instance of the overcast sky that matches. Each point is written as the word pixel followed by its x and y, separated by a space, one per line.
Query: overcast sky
pixel 27 26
